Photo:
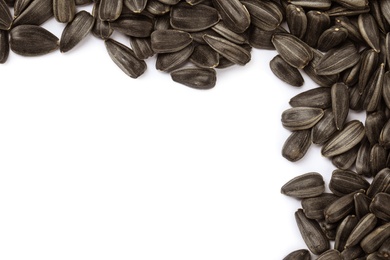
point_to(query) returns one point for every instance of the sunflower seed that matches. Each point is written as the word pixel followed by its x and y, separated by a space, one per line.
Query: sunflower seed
pixel 352 253
pixel 351 135
pixel 296 20
pixel 286 72
pixel 375 239
pixel 136 25
pixel 340 208
pixel 170 61
pixel 224 31
pixel 385 248
pixel 312 234
pixel 344 182
pixel 362 204
pixel 229 50
pixel 317 4
pixel 369 63
pixel 338 59
pixel 344 230
pixel 380 183
pixel 380 206
pixel 198 78
pixel 332 37
pixel 205 57
pixel 137 6
pixel 347 159
pixel 261 39
pixel 20 6
pixel 317 23
pixel 384 137
pixel 194 2
pixel 362 228
pixel 64 10
pixel 337 10
pixel 306 185
pixel 369 30
pixel 331 254
pixel 125 58
pixel 378 156
pixel 386 88
pixel 340 103
pixel 315 97
pixel 36 13
pixel 300 118
pixel 374 124
pixel 300 254
pixel 5 16
pixel 353 31
pixel 293 50
pixel 264 14
pixel 157 8
pixel 375 10
pixel 165 41
pixel 362 164
pixel 142 47
pixel 32 40
pixel 169 2
pixel 353 4
pixel 234 14
pixel 110 10
pixel 4 46
pixel 296 145
pixel 350 76
pixel 314 207
pixel 193 18
pixel 374 89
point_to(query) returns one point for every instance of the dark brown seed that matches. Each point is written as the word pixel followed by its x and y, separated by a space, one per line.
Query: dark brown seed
pixel 125 58
pixel 110 10
pixel 300 254
pixel 314 207
pixel 20 6
pixel 317 4
pixel 317 23
pixel 332 37
pixel 229 50
pixel 38 12
pixel 385 248
pixel 380 183
pixel 142 47
pixel 374 89
pixel 4 46
pixel 64 10
pixel 375 10
pixel 169 2
pixel 261 39
pixel 306 185
pixel 375 239
pixel 198 78
pixel 384 137
pixel 369 30
pixel 380 206
pixel 296 145
pixel 315 97
pixel 362 164
pixel 353 31
pixel 224 31
pixel 136 6
pixel 385 7
pixel 345 160
pixel 340 103
pixel 362 204
pixel 136 25
pixel 76 30
pixel 286 72
pixel 312 234
pixel 32 40
pixel 157 8
pixel 386 88
pixel 234 14
pixel 165 41
pixel 353 4
pixel 296 20
pixel 205 57
pixel 293 50
pixel 343 182
pixel 352 253
pixel 193 18
pixel 374 123
pixel 5 16
pixel 170 61
pixel 300 118
pixel 362 228
pixel 194 2
pixel 350 76
pixel 331 254
pixel 340 208
pixel 369 63
pixel 264 14
pixel 338 59
pixel 378 156
pixel 343 231
pixel 198 36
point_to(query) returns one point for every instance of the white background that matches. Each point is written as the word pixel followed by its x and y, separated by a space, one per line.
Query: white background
pixel 96 165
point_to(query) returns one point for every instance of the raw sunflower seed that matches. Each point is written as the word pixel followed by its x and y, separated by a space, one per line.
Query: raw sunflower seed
pixel 375 239
pixel 125 58
pixel 224 31
pixel 331 254
pixel 374 89
pixel 353 4
pixel 306 185
pixel 351 135
pixel 205 57
pixel 385 248
pixel 352 253
pixel 384 137
pixel 353 31
pixel 300 118
pixel 32 40
pixel 193 18
pixel 340 103
pixel 369 63
pixel 340 208
pixel 374 123
pixel 312 234
pixel 64 10
pixel 36 13
pixel 76 30
pixel 142 47
pixel 362 204
pixel 165 41
pixel 344 182
pixel 337 10
pixel 261 39
pixel 317 23
pixel 4 46
pixel 300 254
pixel 380 206
pixel 296 20
pixel 234 14
pixel 286 72
pixel 229 50
pixel 5 16
pixel 198 78
pixel 312 4
pixel 136 25
pixel 293 50
pixel 362 164
pixel 296 145
pixel 345 160
pixel 332 37
pixel 19 6
pixel 136 6
pixel 170 61
pixel 350 76
pixel 362 228
pixel 157 8
pixel 314 207
pixel 315 97
pixel 264 14
pixel 386 88
pixel 380 183
pixel 369 30
pixel 344 230
pixel 110 10
pixel 378 156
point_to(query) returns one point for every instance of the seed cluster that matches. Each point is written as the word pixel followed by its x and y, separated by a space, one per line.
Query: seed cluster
pixel 342 45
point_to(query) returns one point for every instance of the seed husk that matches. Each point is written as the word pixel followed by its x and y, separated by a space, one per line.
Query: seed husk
pixel 307 185
pixel 293 50
pixel 157 8
pixel 166 41
pixel 296 145
pixel 316 97
pixel 350 76
pixel 261 39
pixel 369 63
pixel 362 164
pixel 386 88
pixel 331 254
pixel 4 46
pixel 198 78
pixel 224 31
pixel 369 30
pixel 170 61
pixel 300 254
pixel 136 25
pixel 32 40
pixel 314 207
pixel 125 58
pixel 36 13
pixel 312 233
pixel 64 10
pixel 375 239
pixel 332 37
pixel 286 72
pixel 351 135
pixel 345 160
pixel 340 103
pixel 76 31
pixel 234 14
pixel 353 4
pixel 229 50
pixel 193 18
pixel 353 31
pixel 362 204
pixel 296 20
pixel 300 118
pixel 19 6
pixel 338 59
pixel 380 183
pixel 343 182
pixel 385 248
pixel 264 14
pixel 380 206
pixel 142 47
pixel 317 23
pixel 378 156
pixel 204 56
pixel 5 16
pixel 312 4
pixel 136 6
pixel 344 230
pixel 352 253
pixel 374 89
pixel 365 225
pixel 110 10
pixel 384 137
pixel 169 2
pixel 340 208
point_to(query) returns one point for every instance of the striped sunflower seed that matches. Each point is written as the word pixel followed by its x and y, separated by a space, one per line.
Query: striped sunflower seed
pixel 193 18
pixel 170 61
pixel 380 206
pixel 261 39
pixel 293 50
pixel 19 6
pixel 312 233
pixel 385 248
pixel 362 165
pixel 110 10
pixel 64 10
pixel 345 160
pixel 234 14
pixel 350 76
pixel 362 204
pixel 384 137
pixel 343 182
pixel 198 78
pixel 157 8
pixel 317 23
pixel 136 6
pixel 386 88
pixel 286 72
pixel 306 185
pixel 312 4
pixel 369 30
pixel 125 58
pixel 378 157
pixel 32 40
pixel 76 31
pixel 375 239
pixel 4 46
pixel 337 10
pixel 136 25
pixel 353 31
pixel 142 47
pixel 385 7
pixel 353 4
pixel 380 183
pixel 351 135
pixel 224 31
pixel 332 37
pixel 340 103
pixel 362 228
pixel 344 230
pixel 374 89
pixel 165 41
pixel 204 56
pixel 296 145
pixel 369 63
pixel 229 50
pixel 300 254
pixel 296 20
pixel 5 16
pixel 169 2
pixel 340 208
pixel 315 97
pixel 314 207
pixel 331 254
pixel 352 253
pixel 264 14
pixel 36 13
pixel 194 2
pixel 300 118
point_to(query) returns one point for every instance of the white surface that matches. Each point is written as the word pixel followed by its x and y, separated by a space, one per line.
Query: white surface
pixel 96 165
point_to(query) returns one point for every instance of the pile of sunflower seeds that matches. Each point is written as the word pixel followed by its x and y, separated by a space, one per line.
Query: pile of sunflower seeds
pixel 342 45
